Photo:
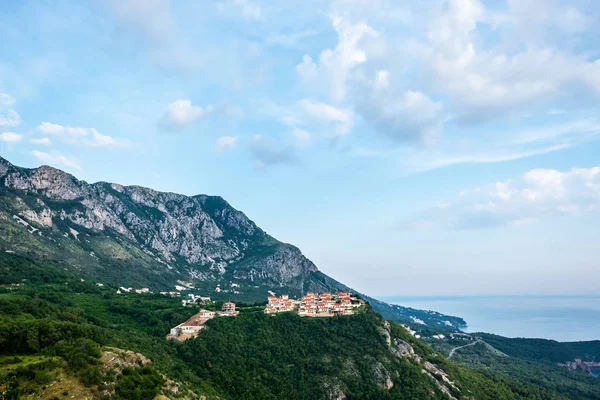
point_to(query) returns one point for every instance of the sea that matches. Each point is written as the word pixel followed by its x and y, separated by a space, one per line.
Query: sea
pixel 562 318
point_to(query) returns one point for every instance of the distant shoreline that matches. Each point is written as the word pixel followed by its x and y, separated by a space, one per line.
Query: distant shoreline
pixel 564 318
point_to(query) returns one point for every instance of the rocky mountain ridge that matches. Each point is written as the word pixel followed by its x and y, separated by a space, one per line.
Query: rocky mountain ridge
pixel 131 235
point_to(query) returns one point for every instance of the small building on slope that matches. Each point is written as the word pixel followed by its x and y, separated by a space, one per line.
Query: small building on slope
pixel 229 307
pixel 191 327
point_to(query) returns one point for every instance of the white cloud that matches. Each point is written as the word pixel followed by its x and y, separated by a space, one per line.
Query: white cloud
pixel 48 128
pixel 6 100
pixel 180 114
pixel 302 137
pixel 99 140
pixel 11 119
pixel 340 119
pixel 42 141
pixel 382 80
pixel 414 117
pixel 226 143
pixel 543 21
pixel 267 153
pixel 88 137
pixel 10 137
pixel 462 63
pixel 487 81
pixel 292 39
pixel 311 116
pixel 55 159
pixel 334 67
pixel 537 194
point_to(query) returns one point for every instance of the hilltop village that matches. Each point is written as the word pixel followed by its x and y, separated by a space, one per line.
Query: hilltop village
pixel 315 305
pixel 310 305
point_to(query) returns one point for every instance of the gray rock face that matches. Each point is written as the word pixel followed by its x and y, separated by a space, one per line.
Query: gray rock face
pixel 135 236
pixel 179 231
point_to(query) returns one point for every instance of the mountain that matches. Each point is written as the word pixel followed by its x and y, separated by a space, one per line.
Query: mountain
pixel 137 237
pixel 64 336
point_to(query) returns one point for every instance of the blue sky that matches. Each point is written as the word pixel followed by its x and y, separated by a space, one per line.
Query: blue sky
pixel 449 147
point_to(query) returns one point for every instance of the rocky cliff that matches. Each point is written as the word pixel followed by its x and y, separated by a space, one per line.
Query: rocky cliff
pixel 139 237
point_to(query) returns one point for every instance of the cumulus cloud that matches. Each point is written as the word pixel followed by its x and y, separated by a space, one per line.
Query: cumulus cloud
pixel 537 194
pixel 267 153
pixel 334 66
pixel 488 81
pixel 41 141
pixel 339 119
pixel 180 114
pixel 10 137
pixel 413 117
pixel 88 137
pixel 464 62
pixel 55 159
pixel 10 119
pixel 6 100
pixel 225 143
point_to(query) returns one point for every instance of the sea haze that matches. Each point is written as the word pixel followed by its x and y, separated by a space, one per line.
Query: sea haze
pixel 562 318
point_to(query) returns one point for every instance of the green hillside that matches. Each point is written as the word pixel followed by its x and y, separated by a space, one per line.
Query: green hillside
pixel 57 329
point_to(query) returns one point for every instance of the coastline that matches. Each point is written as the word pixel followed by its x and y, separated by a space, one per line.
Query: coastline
pixel 561 318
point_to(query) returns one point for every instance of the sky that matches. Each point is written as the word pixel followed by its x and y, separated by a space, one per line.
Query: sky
pixel 439 148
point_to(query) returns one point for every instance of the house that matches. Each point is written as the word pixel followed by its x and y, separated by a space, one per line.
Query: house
pixel 270 310
pixel 339 309
pixel 191 327
pixel 229 307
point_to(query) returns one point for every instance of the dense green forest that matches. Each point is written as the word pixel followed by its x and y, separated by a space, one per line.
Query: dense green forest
pixel 543 349
pixel 56 325
pixel 550 379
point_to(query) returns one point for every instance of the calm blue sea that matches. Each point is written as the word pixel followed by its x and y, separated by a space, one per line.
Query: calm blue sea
pixel 562 318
